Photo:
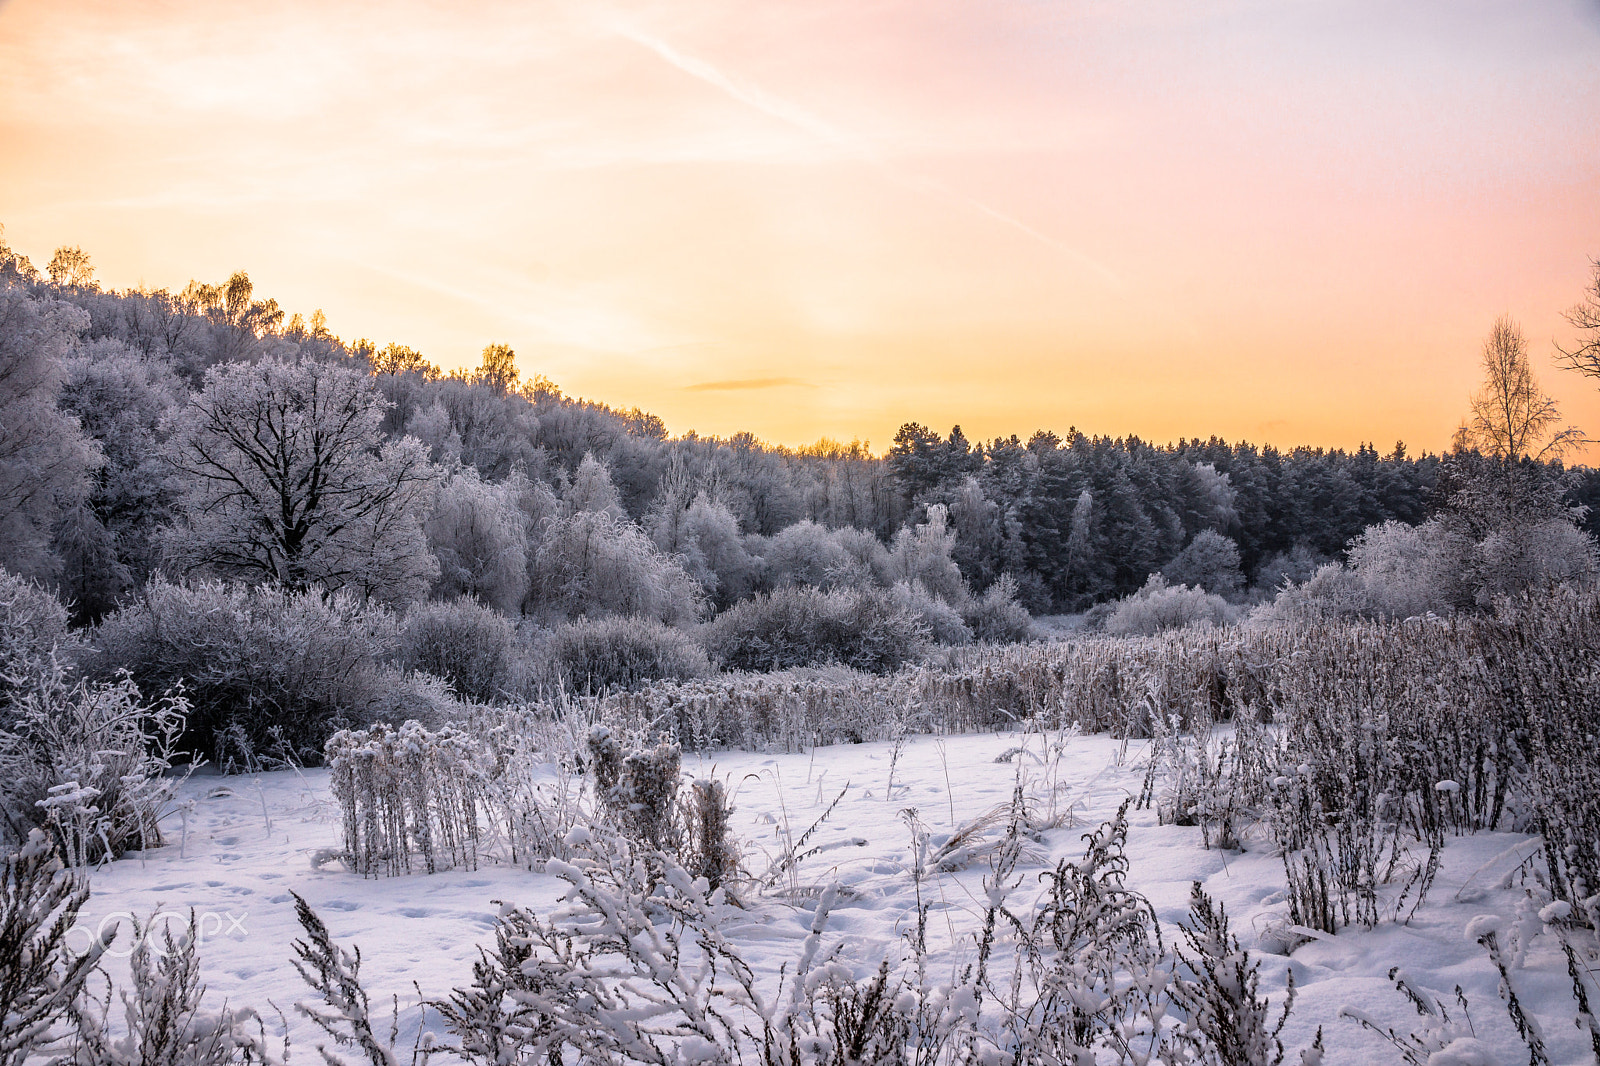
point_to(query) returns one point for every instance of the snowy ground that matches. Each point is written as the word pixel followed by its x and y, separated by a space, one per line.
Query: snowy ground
pixel 249 840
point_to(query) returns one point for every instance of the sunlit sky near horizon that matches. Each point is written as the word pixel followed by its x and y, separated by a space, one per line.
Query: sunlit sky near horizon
pixel 1290 221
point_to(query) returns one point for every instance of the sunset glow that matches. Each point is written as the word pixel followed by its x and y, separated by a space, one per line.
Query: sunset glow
pixel 1287 221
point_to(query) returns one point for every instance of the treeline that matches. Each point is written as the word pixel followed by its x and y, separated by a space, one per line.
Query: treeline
pixel 1073 520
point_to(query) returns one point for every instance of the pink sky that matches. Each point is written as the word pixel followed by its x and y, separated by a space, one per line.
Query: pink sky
pixel 1287 221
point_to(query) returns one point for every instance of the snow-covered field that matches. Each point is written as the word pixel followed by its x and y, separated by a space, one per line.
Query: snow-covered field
pixel 249 840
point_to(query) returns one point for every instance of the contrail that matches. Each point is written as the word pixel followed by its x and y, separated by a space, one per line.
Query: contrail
pixel 800 118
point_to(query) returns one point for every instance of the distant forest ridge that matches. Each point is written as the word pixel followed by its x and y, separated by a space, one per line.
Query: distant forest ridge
pixel 1074 520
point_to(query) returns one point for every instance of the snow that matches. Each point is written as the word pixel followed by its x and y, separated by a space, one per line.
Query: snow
pixel 241 847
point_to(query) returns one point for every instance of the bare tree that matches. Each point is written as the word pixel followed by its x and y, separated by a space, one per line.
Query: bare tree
pixel 1510 417
pixel 285 481
pixel 1585 316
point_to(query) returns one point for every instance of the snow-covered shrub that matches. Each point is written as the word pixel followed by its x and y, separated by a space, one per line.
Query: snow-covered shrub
pixel 162 1014
pixel 1158 607
pixel 612 654
pixel 1294 567
pixel 1548 553
pixel 1411 570
pixel 33 627
pixel 286 669
pixel 86 762
pixel 1453 1040
pixel 798 626
pixel 634 969
pixel 471 646
pixel 531 797
pixel 996 617
pixel 944 622
pixel 806 553
pixel 1096 958
pixel 41 976
pixel 1229 1023
pixel 1210 562
pixel 334 974
pixel 1400 571
pixel 407 791
pixel 498 1019
pixel 1331 594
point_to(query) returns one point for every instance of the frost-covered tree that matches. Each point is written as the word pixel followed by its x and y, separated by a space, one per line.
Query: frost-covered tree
pixel 591 563
pixel 806 554
pixel 14 267
pixel 702 534
pixel 284 481
pixel 1209 562
pixel 922 556
pixel 238 321
pixel 121 398
pixel 480 538
pixel 592 489
pixel 45 461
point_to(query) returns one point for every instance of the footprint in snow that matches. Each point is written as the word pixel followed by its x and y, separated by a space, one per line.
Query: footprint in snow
pixel 341 905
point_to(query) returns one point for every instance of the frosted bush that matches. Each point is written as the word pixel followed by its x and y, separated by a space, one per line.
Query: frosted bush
pixel 638 791
pixel 469 645
pixel 1399 571
pixel 996 617
pixel 1295 566
pixel 285 670
pixel 33 628
pixel 1158 607
pixel 806 553
pixel 163 1017
pixel 87 762
pixel 621 653
pixel 1548 553
pixel 943 621
pixel 41 976
pixel 1411 570
pixel 862 628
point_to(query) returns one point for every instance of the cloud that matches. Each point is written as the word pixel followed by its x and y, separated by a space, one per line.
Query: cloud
pixel 798 117
pixel 749 383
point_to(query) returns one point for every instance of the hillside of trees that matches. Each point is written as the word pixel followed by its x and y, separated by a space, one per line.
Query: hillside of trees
pixel 102 391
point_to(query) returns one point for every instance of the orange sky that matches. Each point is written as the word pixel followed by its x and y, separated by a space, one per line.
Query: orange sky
pixel 1282 220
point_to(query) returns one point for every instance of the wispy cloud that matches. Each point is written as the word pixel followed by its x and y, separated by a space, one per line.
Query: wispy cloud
pixel 786 111
pixel 749 383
